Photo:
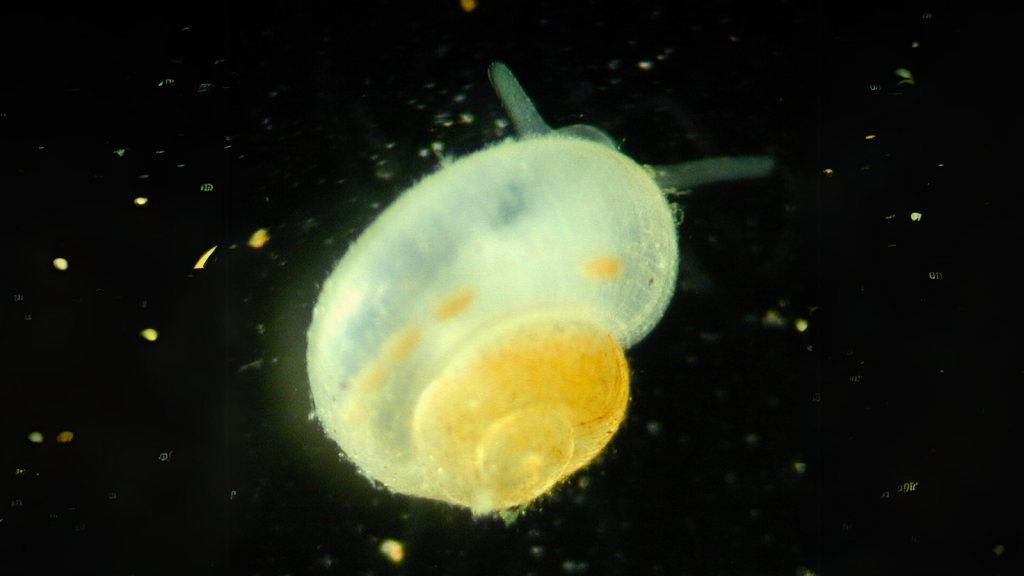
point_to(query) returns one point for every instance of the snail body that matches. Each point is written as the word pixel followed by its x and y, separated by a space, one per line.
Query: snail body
pixel 469 346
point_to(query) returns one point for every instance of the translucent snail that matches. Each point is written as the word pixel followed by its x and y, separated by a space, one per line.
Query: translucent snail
pixel 468 347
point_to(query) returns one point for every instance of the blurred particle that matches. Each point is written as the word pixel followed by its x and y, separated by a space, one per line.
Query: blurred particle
pixel 570 567
pixel 773 319
pixel 60 264
pixel 468 5
pixel 35 437
pixel 908 78
pixel 251 365
pixel 259 238
pixel 141 201
pixel 65 437
pixel 392 550
pixel 149 334
pixel 654 428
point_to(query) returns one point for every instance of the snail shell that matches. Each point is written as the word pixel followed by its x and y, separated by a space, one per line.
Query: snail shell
pixel 468 347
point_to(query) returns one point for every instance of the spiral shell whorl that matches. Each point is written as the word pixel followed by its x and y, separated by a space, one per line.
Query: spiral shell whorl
pixel 536 401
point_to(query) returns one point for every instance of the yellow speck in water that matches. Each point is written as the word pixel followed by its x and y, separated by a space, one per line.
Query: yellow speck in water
pixel 202 259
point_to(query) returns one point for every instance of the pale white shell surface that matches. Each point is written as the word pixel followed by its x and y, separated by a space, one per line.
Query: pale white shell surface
pixel 548 225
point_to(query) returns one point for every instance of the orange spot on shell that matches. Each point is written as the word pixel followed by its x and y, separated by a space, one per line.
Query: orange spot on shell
pixel 396 349
pixel 602 267
pixel 402 344
pixel 454 304
pixel 372 378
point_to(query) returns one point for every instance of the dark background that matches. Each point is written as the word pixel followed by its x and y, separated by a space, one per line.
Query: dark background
pixel 751 447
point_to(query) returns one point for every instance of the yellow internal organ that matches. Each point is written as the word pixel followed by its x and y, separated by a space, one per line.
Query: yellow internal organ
pixel 532 403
